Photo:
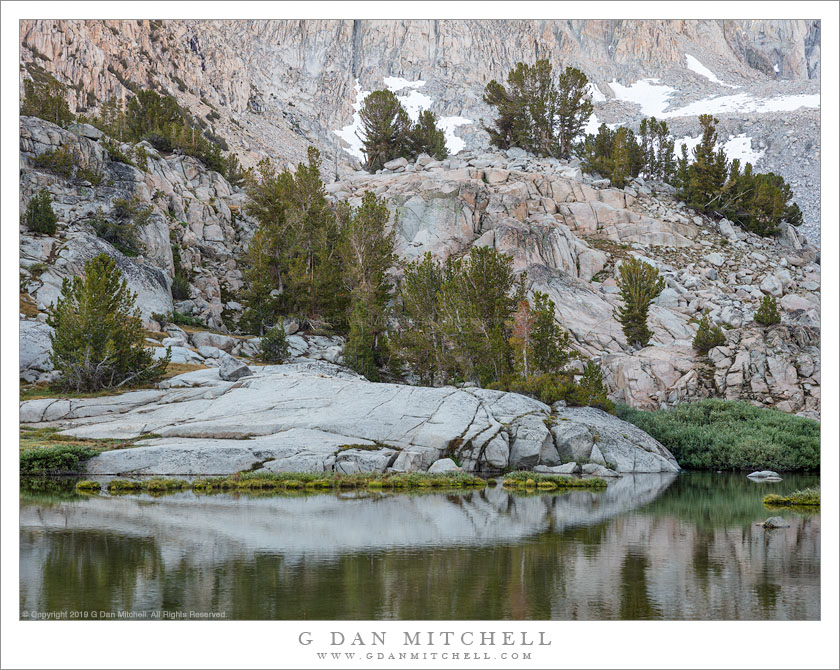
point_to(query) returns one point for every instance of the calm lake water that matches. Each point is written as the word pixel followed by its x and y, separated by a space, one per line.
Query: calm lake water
pixel 649 547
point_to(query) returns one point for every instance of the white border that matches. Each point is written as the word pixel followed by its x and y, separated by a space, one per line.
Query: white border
pixel 273 644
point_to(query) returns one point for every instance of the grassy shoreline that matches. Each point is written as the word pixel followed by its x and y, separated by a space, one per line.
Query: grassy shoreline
pixel 332 481
pixel 716 434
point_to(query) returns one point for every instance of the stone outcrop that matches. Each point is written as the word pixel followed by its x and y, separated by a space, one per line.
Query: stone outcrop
pixel 309 415
pixel 567 231
pixel 191 208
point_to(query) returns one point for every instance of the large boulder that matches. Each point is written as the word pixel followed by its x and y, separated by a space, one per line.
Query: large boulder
pixel 580 431
pixel 207 413
pixel 35 347
pixel 149 283
pixel 232 369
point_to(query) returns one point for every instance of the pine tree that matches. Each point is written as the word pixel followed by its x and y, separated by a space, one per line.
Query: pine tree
pixel 590 391
pixel 768 312
pixel 39 216
pixel 366 251
pixel 621 159
pixel 551 344
pixel 386 129
pixel 47 101
pixel 426 137
pixel 708 336
pixel 99 341
pixel 419 340
pixel 535 112
pixel 639 284
pixel 273 345
pixel 574 109
pixel 522 337
pixel 707 174
pixel 681 176
pixel 291 263
pixel 476 302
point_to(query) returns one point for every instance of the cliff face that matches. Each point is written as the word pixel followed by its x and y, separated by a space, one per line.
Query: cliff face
pixel 279 86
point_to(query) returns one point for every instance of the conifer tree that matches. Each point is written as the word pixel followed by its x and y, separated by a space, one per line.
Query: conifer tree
pixel 47 101
pixel 419 340
pixel 292 264
pixel 551 344
pixel 39 216
pixel 476 304
pixel 426 137
pixel 537 113
pixel 98 342
pixel 386 128
pixel 639 284
pixel 768 312
pixel 708 336
pixel 366 251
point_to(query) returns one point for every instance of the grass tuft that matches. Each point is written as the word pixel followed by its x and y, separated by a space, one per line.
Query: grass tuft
pixel 809 497
pixel 522 479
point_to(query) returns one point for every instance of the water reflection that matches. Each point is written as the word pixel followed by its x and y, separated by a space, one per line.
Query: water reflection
pixel 650 547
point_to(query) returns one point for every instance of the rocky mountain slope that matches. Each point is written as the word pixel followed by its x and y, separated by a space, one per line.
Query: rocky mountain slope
pixel 274 87
pixel 566 230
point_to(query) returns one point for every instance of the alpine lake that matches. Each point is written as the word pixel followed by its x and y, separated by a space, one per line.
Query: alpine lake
pixel 673 547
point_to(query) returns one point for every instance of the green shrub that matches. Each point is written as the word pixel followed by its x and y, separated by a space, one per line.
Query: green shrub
pixel 273 345
pixel 639 284
pixel 94 176
pixel 180 319
pixel 99 341
pixel 180 287
pixel 122 231
pixel 528 479
pixel 552 387
pixel 731 435
pixel 708 336
pixel 58 161
pixel 64 458
pixel 39 216
pixel 115 153
pixel 768 312
pixel 590 391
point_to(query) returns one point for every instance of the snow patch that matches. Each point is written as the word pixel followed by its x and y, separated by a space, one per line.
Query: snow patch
pixel 448 124
pixel 696 66
pixel 740 147
pixel 414 103
pixel 737 146
pixel 352 134
pixel 654 98
pixel 649 94
pixel 398 83
pixel 689 142
pixel 595 93
pixel 776 68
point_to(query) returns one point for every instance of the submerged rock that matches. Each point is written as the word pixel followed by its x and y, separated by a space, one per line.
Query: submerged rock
pixel 765 476
pixel 776 522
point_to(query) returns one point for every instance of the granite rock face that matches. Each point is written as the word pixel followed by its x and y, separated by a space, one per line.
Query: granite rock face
pixel 314 416
pixel 278 86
